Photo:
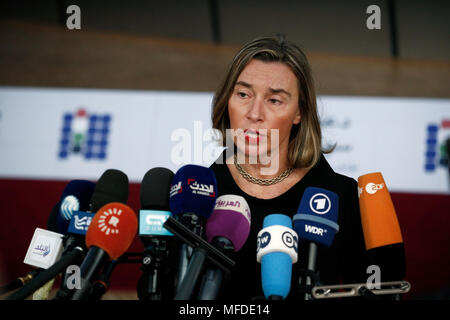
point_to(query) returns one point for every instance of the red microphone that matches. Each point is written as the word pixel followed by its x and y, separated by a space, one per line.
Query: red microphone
pixel 110 234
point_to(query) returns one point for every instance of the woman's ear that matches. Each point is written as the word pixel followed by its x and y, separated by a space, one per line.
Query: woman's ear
pixel 297 117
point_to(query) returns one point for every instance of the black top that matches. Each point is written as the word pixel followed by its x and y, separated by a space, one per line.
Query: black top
pixel 344 262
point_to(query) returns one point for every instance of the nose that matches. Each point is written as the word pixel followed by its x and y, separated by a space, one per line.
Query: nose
pixel 256 110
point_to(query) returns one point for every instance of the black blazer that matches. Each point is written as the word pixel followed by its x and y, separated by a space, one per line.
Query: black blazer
pixel 345 261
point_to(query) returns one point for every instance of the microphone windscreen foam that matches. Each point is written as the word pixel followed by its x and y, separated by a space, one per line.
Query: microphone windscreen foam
pixel 317 216
pixel 276 264
pixel 111 187
pixel 378 217
pixel 155 188
pixel 193 190
pixel 75 197
pixel 382 234
pixel 112 229
pixel 230 219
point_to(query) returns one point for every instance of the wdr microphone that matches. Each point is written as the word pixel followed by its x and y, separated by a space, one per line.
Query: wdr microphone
pixel 316 222
pixel 227 229
pixel 110 234
pixel 156 282
pixel 382 234
pixel 317 215
pixel 192 197
pixel 277 250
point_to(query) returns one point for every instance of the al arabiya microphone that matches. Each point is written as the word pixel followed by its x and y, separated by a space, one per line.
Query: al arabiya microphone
pixel 316 222
pixel 382 234
pixel 192 197
pixel 277 250
pixel 227 229
pixel 110 234
pixel 157 280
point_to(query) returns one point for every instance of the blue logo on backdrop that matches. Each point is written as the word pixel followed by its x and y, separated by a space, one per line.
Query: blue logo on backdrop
pixel 436 153
pixel 84 134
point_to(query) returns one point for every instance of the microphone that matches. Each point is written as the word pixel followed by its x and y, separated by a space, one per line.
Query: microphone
pixel 276 250
pixel 21 281
pixel 227 229
pixel 110 234
pixel 154 284
pixel 75 197
pixel 382 234
pixel 316 222
pixel 112 186
pixel 191 199
pixel 75 193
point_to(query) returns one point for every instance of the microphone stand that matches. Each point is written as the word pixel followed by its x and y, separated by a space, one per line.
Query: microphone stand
pixel 101 284
pixel 202 250
pixel 19 282
pixel 361 289
pixel 153 262
pixel 311 267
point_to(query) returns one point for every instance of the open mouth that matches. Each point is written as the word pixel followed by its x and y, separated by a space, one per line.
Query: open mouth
pixel 252 136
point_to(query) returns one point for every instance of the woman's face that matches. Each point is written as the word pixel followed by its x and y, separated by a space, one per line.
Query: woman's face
pixel 264 99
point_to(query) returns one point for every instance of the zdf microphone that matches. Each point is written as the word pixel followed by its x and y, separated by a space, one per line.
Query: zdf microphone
pixel 277 250
pixel 382 234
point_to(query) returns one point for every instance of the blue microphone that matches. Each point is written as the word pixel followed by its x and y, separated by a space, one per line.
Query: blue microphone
pixel 277 250
pixel 316 222
pixel 192 198
pixel 75 197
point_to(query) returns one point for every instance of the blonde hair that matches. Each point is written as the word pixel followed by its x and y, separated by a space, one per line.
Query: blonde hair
pixel 305 148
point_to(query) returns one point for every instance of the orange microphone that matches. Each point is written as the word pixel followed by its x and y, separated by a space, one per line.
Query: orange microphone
pixel 382 234
pixel 110 234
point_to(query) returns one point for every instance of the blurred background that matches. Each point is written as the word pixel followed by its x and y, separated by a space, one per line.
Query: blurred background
pixel 185 47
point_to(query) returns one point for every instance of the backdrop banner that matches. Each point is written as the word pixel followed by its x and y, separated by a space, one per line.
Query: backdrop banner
pixel 64 134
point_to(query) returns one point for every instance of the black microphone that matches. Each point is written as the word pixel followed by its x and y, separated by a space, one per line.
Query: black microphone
pixel 157 280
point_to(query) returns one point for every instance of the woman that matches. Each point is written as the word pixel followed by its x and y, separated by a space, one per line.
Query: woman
pixel 266 111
